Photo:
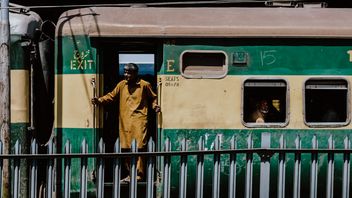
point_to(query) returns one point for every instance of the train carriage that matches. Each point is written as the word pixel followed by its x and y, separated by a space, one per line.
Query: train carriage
pixel 212 67
pixel 31 78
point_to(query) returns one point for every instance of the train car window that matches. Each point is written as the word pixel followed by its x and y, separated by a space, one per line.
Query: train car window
pixel 265 103
pixel 326 102
pixel 203 64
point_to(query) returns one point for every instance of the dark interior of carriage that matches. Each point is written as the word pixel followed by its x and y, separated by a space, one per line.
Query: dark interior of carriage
pixel 272 91
pixel 326 101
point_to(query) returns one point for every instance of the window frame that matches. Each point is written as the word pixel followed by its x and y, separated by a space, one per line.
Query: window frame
pixel 205 76
pixel 268 124
pixel 327 124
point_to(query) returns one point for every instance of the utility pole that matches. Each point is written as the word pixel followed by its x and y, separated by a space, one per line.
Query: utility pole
pixel 5 119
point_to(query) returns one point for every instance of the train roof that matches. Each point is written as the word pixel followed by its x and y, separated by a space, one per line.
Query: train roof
pixel 206 22
pixel 24 24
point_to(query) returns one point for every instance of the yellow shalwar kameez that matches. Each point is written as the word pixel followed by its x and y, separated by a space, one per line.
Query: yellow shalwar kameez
pixel 133 116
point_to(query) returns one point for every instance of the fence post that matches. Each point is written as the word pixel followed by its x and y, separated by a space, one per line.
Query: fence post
pixel 232 175
pixel 249 168
pixel 50 178
pixel 117 170
pixel 265 167
pixel 150 168
pixel 282 169
pixel 133 174
pixel 101 167
pixel 200 169
pixel 67 162
pixel 166 173
pixel 17 171
pixel 183 171
pixel 84 150
pixel 314 169
pixel 346 169
pixel 297 170
pixel 34 169
pixel 330 174
pixel 216 175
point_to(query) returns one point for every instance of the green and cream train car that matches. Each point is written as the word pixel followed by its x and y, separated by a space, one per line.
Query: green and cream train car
pixel 213 67
pixel 29 85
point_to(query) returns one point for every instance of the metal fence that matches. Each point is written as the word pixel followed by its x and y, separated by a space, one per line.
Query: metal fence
pixel 265 154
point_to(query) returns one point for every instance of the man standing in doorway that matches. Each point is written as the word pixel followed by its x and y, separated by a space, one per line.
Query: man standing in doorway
pixel 135 96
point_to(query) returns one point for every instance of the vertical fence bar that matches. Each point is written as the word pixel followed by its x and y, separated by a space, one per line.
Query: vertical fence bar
pixel 232 175
pixel 330 174
pixel 265 167
pixel 1 168
pixel 17 172
pixel 117 170
pixel 314 169
pixel 346 169
pixel 183 171
pixel 101 167
pixel 34 169
pixel 50 167
pixel 166 173
pixel 200 169
pixel 67 164
pixel 282 169
pixel 84 163
pixel 216 173
pixel 133 173
pixel 297 170
pixel 150 169
pixel 249 168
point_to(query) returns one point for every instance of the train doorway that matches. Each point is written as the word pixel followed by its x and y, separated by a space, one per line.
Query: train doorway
pixel 112 60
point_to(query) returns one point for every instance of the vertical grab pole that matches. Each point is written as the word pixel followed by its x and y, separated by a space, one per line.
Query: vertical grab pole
pixel 158 141
pixel 159 124
pixel 92 82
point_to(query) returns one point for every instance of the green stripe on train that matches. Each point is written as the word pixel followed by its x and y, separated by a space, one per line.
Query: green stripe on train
pixel 75 55
pixel 193 135
pixel 271 56
pixel 19 55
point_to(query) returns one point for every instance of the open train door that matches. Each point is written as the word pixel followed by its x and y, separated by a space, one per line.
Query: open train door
pixel 114 54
